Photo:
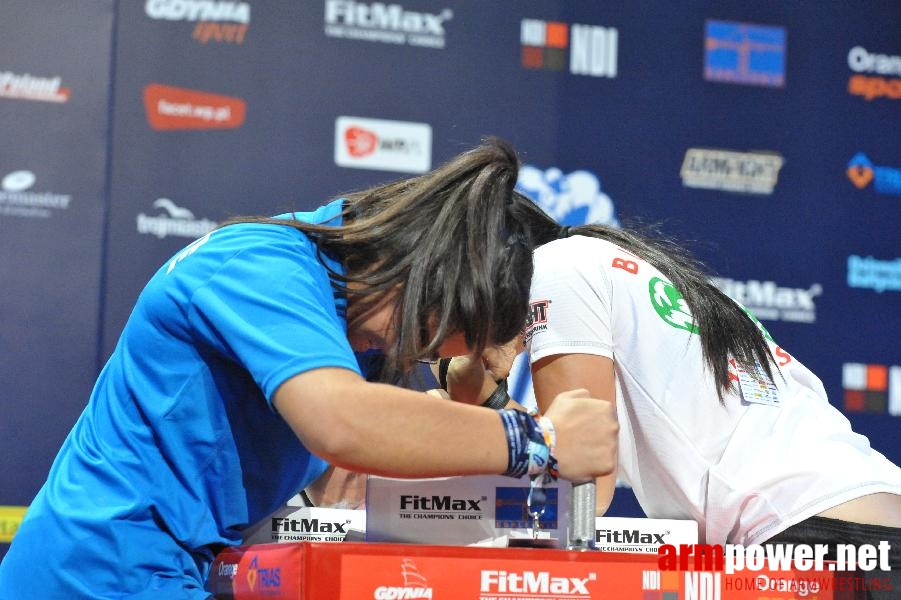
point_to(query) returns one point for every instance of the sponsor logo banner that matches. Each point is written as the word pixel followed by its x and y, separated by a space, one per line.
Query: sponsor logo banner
pixel 592 50
pixel 18 200
pixel 389 577
pixel 771 302
pixel 886 180
pixel 171 108
pixel 222 21
pixel 870 273
pixel 872 388
pixel 173 220
pixel 730 171
pixel 385 23
pixel 387 572
pixel 744 53
pixel 383 145
pixel 876 75
pixel 10 517
pixel 30 87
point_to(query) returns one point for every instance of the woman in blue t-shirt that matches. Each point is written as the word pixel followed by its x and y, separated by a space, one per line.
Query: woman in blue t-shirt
pixel 242 373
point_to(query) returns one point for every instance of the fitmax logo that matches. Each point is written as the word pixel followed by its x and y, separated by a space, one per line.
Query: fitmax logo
pixel 629 536
pixel 414 502
pixel 534 582
pixel 283 524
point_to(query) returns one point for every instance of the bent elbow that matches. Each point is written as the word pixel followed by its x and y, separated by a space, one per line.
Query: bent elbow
pixel 338 446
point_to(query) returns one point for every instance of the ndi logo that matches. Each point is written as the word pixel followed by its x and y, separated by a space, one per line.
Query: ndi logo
pixel 593 50
pixel 872 388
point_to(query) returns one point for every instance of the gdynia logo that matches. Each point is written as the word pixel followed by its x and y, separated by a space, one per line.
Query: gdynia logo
pixel 670 305
pixel 415 584
pixel 217 21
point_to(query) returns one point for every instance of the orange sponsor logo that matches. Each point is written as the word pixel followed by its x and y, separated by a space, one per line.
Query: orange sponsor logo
pixel 170 108
pixel 231 33
pixel 874 87
pixel 860 175
pixel 360 142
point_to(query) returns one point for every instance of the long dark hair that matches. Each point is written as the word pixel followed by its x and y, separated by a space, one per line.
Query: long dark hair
pixel 725 329
pixel 446 242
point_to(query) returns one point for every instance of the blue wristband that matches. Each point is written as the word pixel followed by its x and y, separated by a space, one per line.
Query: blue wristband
pixel 527 451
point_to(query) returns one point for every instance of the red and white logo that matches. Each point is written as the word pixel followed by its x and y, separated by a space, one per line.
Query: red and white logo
pixel 383 145
pixel 360 142
pixel 171 108
pixel 415 584
pixel 29 87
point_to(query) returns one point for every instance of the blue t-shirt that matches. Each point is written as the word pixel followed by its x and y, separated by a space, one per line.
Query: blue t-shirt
pixel 179 447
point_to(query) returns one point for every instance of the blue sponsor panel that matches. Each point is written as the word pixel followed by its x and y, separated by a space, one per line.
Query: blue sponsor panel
pixel 744 53
pixel 54 89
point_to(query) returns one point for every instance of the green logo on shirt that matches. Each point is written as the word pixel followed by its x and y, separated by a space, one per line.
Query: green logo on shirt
pixel 670 305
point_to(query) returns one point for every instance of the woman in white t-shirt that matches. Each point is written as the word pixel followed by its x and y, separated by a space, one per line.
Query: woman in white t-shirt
pixel 718 423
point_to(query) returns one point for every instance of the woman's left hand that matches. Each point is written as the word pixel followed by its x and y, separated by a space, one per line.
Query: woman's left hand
pixel 471 379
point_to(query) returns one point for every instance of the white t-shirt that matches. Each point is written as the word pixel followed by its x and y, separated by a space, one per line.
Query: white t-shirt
pixel 765 461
